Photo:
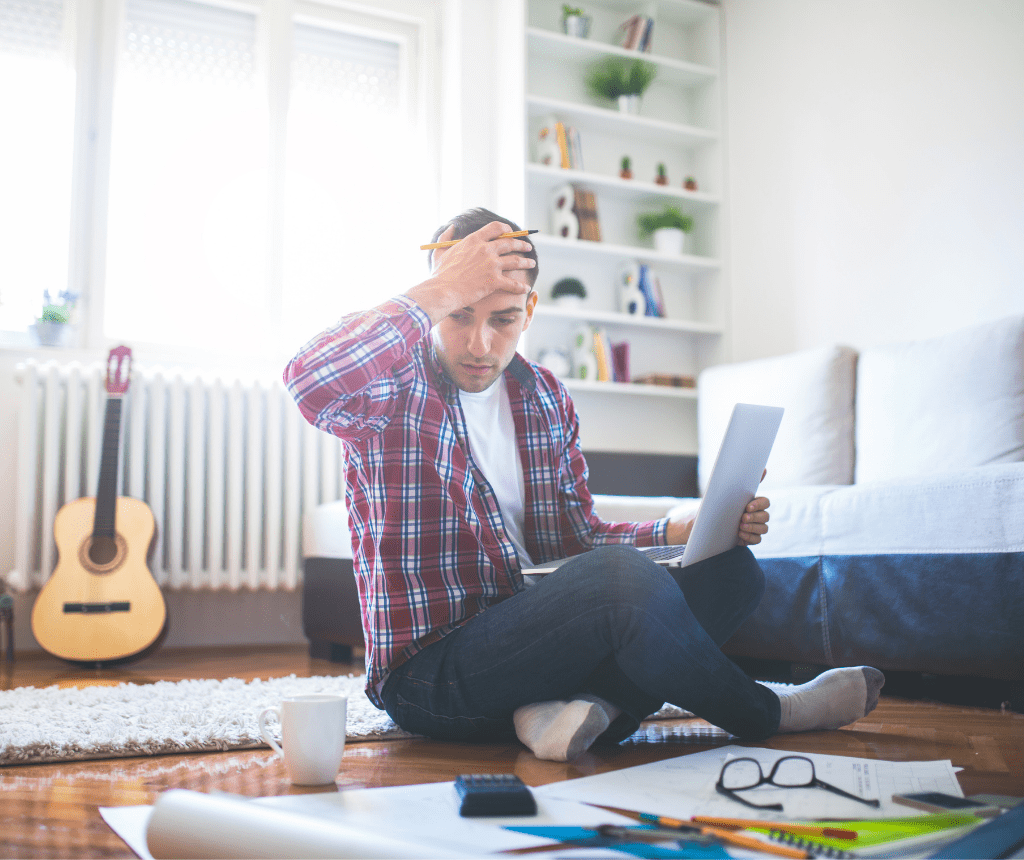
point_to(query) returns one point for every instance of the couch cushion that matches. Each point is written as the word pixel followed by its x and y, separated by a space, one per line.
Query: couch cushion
pixel 941 404
pixel 977 510
pixel 815 386
pixel 638 509
pixel 325 531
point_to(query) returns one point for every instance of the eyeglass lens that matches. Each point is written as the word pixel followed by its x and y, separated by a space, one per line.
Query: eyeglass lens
pixel 788 772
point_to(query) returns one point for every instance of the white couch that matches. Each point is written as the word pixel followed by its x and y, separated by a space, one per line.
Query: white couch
pixel 897 509
pixel 897 502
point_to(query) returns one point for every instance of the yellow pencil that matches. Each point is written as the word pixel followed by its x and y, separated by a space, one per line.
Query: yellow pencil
pixel 515 235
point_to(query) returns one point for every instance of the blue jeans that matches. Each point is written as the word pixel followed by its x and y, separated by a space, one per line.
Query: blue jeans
pixel 611 623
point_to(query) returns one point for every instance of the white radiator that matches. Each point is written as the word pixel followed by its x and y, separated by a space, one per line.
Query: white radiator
pixel 227 467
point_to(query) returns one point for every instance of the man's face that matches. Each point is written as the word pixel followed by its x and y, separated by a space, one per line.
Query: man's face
pixel 475 344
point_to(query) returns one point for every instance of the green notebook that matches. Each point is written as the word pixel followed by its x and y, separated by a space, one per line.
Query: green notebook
pixel 875 832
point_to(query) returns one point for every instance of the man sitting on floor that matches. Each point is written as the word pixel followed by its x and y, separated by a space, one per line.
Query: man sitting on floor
pixel 464 465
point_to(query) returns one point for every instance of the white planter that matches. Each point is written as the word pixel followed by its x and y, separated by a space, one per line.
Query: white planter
pixel 50 333
pixel 669 240
pixel 577 26
pixel 629 104
pixel 568 301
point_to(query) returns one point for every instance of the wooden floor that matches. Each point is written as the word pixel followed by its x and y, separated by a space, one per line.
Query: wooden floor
pixel 52 810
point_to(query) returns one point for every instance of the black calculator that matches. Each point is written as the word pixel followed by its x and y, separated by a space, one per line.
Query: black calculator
pixel 494 794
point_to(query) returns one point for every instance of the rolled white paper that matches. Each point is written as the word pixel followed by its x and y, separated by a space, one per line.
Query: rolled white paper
pixel 190 824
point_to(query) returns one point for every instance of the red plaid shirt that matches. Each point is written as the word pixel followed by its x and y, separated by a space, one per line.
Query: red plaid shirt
pixel 427 535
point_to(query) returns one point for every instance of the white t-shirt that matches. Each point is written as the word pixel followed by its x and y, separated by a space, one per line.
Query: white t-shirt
pixel 492 438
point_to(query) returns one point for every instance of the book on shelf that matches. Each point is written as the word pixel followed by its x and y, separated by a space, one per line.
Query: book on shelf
pixel 603 353
pixel 637 31
pixel 620 361
pixel 575 150
pixel 585 210
pixel 670 380
pixel 650 288
pixel 563 145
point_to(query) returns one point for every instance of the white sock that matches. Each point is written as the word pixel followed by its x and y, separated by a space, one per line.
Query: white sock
pixel 833 699
pixel 560 731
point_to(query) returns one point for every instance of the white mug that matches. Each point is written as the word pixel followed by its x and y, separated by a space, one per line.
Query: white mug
pixel 313 736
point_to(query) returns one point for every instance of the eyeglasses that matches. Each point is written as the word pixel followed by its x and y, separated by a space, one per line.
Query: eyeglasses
pixel 791 771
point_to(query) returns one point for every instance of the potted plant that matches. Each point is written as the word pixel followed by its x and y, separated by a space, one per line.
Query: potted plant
pixel 668 228
pixel 622 80
pixel 575 22
pixel 568 291
pixel 690 184
pixel 53 324
pixel 626 172
pixel 662 177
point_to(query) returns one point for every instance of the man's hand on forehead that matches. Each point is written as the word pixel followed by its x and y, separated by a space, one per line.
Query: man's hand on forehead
pixel 482 262
pixel 475 267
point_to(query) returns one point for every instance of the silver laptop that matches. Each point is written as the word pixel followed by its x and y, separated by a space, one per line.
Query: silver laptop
pixel 733 483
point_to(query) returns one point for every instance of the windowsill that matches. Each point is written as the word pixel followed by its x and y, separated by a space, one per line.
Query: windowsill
pixel 22 346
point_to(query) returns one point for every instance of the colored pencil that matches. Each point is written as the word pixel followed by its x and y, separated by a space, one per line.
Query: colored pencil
pixel 789 827
pixel 514 235
pixel 730 837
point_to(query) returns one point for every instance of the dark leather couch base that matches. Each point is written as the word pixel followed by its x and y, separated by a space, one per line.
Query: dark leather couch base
pixel 940 614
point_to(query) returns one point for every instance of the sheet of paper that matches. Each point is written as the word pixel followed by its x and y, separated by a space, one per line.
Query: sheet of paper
pixel 685 786
pixel 129 822
pixel 424 814
pixel 679 787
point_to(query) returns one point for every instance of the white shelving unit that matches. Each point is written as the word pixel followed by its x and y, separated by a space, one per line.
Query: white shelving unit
pixel 679 124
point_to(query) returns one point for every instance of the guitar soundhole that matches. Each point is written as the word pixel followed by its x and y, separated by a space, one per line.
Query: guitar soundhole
pixel 102 551
pixel 103 554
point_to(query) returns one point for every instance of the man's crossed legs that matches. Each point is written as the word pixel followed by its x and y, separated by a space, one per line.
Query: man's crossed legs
pixel 595 647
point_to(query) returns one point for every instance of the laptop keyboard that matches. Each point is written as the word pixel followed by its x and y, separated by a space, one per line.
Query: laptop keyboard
pixel 661 553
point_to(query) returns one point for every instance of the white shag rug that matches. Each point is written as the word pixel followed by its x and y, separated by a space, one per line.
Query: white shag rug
pixel 53 724
pixel 39 725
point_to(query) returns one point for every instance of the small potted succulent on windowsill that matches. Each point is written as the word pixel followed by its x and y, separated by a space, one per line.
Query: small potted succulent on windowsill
pixel 626 171
pixel 575 22
pixel 568 292
pixel 667 228
pixel 621 80
pixel 662 177
pixel 54 323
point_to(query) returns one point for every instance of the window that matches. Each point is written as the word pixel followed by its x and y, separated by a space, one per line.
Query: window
pixel 354 180
pixel 187 228
pixel 268 164
pixel 35 155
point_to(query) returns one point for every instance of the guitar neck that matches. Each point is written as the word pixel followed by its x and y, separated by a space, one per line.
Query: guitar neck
pixel 106 493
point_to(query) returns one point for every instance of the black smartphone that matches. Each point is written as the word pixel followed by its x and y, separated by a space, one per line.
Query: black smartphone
pixel 936 801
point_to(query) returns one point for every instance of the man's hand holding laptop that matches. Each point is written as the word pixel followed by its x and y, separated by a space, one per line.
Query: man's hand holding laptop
pixel 753 523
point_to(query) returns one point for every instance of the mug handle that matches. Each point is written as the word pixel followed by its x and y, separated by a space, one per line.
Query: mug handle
pixel 267 736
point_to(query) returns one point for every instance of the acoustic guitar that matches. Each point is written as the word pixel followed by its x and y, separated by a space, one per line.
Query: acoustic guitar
pixel 102 603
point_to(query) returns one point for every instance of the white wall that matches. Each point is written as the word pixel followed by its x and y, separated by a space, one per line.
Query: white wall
pixel 876 169
pixel 484 79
